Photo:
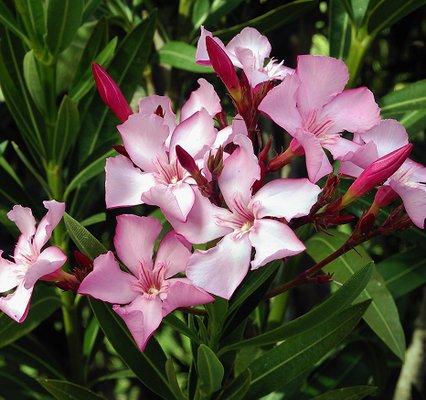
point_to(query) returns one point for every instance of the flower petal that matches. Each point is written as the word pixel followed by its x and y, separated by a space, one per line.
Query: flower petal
pixel 285 198
pixel 49 261
pixel 201 55
pixel 144 137
pixel 8 277
pixel 280 104
pixel 148 105
pixel 24 220
pixel 16 304
pixel 125 183
pixel 227 134
pixel 134 240
pixel 55 212
pixel 204 97
pixel 143 316
pixel 222 268
pixel 174 253
pixel 273 240
pixel 107 282
pixel 340 148
pixel 353 110
pixel 201 224
pixel 321 79
pixel 182 293
pixel 240 170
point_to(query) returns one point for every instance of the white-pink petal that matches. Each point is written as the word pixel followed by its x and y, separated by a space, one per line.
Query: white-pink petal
pixel 16 304
pixel 9 277
pixel 149 105
pixel 24 220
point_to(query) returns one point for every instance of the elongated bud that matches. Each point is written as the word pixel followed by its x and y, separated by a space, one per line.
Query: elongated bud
pixel 84 266
pixel 384 196
pixel 376 173
pixel 223 66
pixel 215 163
pixel 187 161
pixel 110 93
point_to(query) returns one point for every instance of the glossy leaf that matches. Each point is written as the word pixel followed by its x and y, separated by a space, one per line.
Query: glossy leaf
pixel 285 363
pixel 176 323
pixel 348 393
pixel 238 388
pixel 43 304
pixel 63 20
pixel 342 298
pixel 210 370
pixel 62 390
pixel 200 12
pixel 219 9
pixel 382 316
pixel 94 219
pixel 272 19
pixel 173 382
pixel 414 121
pixel 34 82
pixel 32 15
pixel 90 336
pixel 9 22
pixel 339 29
pixel 181 55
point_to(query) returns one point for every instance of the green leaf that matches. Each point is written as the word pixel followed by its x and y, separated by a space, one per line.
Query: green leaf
pixel 404 272
pixel 210 370
pixel 44 303
pixel 272 19
pixel 414 121
pixel 382 316
pixel 181 55
pixel 180 326
pixel 200 12
pixel 285 363
pixel 126 69
pixel 148 366
pixel 411 97
pixel 94 219
pixel 92 170
pixel 219 9
pixel 32 75
pixel 348 393
pixel 334 304
pixel 9 22
pixel 32 15
pixel 382 14
pixel 90 335
pixel 18 385
pixel 63 20
pixel 171 376
pixel 66 129
pixel 339 29
pixel 238 388
pixel 64 390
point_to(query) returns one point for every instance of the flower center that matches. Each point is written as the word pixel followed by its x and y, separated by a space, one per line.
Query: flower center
pixel 316 126
pixel 169 174
pixel 151 283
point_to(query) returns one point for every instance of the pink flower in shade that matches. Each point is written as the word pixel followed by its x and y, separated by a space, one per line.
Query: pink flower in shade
pixel 249 51
pixel 409 181
pixel 30 262
pixel 251 221
pixel 143 296
pixel 153 174
pixel 313 107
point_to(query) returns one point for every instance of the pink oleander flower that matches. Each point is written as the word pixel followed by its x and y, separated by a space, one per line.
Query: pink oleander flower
pixel 313 107
pixel 253 220
pixel 145 294
pixel 153 174
pixel 30 262
pixel 408 182
pixel 249 51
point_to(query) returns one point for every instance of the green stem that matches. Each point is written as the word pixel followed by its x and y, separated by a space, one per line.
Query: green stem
pixel 360 43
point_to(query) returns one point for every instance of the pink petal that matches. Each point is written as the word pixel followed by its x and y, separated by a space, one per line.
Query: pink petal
pixel 388 135
pixel 317 162
pixel 222 268
pixel 227 134
pixel 353 110
pixel 142 317
pixel 134 240
pixel 182 293
pixel 341 147
pixel 201 55
pixel 241 169
pixel 204 97
pixel 174 253
pixel 201 224
pixel 144 137
pixel 321 79
pixel 16 305
pixel 24 220
pixel 280 104
pixel 8 277
pixel 273 240
pixel 50 260
pixel 286 198
pixel 195 134
pixel 149 105
pixel 107 282
pixel 125 183
pixel 55 212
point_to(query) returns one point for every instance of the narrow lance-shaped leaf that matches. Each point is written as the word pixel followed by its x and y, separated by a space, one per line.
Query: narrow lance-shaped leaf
pixel 34 82
pixel 339 29
pixel 348 393
pixel 210 370
pixel 61 390
pixel 9 22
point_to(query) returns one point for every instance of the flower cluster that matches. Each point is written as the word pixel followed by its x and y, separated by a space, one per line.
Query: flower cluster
pixel 214 181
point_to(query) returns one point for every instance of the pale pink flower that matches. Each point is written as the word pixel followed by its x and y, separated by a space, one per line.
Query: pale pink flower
pixel 313 107
pixel 409 181
pixel 145 294
pixel 251 221
pixel 30 262
pixel 153 174
pixel 249 50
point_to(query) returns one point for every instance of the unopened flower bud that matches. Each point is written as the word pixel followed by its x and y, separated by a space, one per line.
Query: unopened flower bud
pixel 376 173
pixel 84 266
pixel 111 93
pixel 215 163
